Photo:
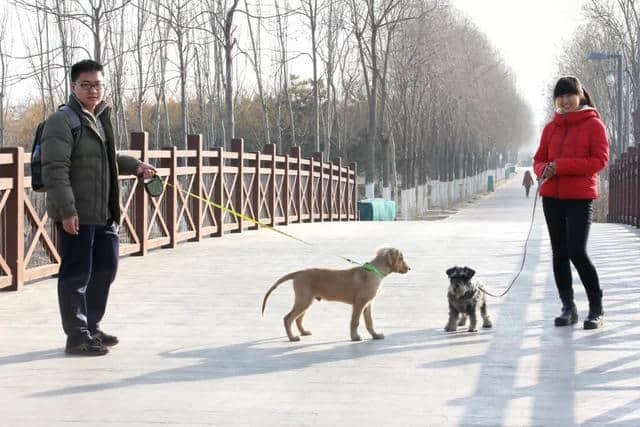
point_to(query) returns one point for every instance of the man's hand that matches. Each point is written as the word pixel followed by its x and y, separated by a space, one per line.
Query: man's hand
pixel 71 225
pixel 549 170
pixel 146 171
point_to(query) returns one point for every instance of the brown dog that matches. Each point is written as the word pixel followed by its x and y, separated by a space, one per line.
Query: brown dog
pixel 357 286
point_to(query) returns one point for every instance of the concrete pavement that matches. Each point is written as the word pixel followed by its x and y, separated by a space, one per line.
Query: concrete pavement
pixel 195 351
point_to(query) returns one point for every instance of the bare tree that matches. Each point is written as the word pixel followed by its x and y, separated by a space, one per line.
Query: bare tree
pixel 620 22
pixel 256 61
pixel 178 15
pixel 367 22
pixel 229 44
pixel 115 34
pixel 142 57
pixel 282 30
pixel 4 68
pixel 161 29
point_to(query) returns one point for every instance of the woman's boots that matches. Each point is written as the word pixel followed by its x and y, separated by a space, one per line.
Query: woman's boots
pixel 595 319
pixel 569 315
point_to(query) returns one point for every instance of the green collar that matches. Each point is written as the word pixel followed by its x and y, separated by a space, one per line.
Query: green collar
pixel 372 268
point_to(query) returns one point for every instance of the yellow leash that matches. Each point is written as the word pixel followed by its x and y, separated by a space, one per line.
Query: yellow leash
pixel 253 220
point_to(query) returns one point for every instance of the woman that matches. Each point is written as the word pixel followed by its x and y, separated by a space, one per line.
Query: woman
pixel 527 181
pixel 573 149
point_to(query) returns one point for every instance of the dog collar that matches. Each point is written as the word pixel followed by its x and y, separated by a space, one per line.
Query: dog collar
pixel 373 269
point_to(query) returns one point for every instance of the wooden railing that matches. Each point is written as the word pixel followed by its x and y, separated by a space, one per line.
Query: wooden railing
pixel 274 189
pixel 624 188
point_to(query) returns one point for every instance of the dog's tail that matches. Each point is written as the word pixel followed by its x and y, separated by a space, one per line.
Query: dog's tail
pixel 275 285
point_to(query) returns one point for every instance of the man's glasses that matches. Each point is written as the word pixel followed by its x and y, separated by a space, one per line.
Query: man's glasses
pixel 99 86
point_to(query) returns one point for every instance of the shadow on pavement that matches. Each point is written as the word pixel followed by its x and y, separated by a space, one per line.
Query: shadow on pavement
pixel 274 355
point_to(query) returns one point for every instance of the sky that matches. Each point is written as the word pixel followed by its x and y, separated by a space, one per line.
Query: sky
pixel 530 34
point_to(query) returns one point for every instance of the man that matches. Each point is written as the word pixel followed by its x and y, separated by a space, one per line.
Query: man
pixel 83 199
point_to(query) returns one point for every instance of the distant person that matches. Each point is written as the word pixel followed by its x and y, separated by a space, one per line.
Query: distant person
pixel 527 182
pixel 83 199
pixel 573 149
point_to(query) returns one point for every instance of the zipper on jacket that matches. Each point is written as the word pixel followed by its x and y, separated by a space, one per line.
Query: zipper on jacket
pixel 108 177
pixel 564 137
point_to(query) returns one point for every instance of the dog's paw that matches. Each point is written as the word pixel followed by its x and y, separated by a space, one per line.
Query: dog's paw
pixel 377 336
pixel 294 338
pixel 472 330
pixel 356 338
pixel 450 328
pixel 305 333
pixel 487 324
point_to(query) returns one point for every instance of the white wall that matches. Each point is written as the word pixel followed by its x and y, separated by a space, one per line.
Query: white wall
pixel 435 194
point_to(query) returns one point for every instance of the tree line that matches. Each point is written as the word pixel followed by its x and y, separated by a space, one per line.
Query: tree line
pixel 409 89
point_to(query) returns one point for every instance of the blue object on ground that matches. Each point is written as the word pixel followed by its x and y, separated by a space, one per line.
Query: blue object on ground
pixel 377 210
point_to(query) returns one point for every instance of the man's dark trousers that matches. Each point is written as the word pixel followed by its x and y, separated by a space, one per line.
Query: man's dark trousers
pixel 89 265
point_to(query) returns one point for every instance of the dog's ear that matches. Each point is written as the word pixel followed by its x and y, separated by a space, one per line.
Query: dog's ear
pixel 451 271
pixel 469 272
pixel 391 256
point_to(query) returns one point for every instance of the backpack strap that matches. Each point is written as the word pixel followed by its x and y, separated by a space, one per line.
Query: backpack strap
pixel 74 122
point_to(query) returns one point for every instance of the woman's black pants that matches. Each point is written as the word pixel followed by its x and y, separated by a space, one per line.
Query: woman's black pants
pixel 569 222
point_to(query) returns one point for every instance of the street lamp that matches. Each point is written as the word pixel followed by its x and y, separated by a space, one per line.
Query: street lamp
pixel 600 56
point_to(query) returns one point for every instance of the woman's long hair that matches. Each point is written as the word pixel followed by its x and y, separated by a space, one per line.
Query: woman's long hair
pixel 571 85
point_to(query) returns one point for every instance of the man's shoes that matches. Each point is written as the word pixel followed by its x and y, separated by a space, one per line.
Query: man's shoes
pixel 86 347
pixel 568 317
pixel 105 339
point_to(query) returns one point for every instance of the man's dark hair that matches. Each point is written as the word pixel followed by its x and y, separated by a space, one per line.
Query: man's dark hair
pixel 85 66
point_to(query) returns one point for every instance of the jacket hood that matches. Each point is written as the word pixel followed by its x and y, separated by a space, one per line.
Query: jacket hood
pixel 576 116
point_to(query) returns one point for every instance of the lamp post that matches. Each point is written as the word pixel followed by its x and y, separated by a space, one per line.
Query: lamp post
pixel 599 56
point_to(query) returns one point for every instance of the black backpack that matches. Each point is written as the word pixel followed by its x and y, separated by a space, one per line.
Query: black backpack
pixel 36 151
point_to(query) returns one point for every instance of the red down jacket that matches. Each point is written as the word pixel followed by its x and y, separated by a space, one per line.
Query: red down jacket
pixel 577 143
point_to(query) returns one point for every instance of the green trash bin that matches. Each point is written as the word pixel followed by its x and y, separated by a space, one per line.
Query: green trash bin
pixel 490 183
pixel 377 210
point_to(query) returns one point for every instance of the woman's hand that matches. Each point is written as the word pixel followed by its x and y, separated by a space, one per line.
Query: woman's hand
pixel 549 170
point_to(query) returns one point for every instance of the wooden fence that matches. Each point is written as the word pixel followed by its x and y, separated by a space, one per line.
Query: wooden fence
pixel 274 189
pixel 624 188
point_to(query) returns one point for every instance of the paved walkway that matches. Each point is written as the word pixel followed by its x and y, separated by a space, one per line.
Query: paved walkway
pixel 195 351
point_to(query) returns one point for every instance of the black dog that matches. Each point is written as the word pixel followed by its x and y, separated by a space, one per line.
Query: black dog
pixel 465 297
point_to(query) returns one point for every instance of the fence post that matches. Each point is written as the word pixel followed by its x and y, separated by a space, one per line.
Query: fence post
pixel 297 192
pixel 353 194
pixel 612 189
pixel 624 162
pixel 256 188
pixel 619 189
pixel 218 194
pixel 194 142
pixel 140 141
pixel 633 185
pixel 636 174
pixel 287 191
pixel 171 196
pixel 237 146
pixel 319 158
pixel 338 193
pixel 270 149
pixel 14 209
